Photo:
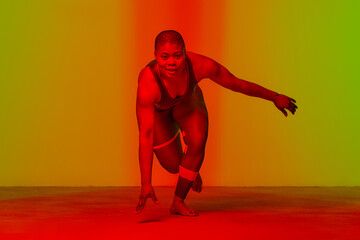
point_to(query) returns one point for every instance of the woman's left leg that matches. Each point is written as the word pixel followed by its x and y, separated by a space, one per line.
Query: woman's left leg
pixel 192 118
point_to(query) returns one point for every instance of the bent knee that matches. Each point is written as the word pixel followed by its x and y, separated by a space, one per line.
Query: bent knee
pixel 196 141
pixel 169 160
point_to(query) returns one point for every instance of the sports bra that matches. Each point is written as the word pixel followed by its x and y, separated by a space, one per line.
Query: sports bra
pixel 167 102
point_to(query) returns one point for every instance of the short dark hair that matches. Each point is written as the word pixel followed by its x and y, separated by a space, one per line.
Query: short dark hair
pixel 171 36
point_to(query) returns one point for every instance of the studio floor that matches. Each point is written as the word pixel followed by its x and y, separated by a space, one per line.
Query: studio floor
pixel 51 213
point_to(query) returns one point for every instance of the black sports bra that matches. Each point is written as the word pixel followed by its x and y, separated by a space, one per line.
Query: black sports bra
pixel 167 102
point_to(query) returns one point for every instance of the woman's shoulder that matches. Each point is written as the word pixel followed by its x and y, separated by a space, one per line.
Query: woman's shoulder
pixel 147 84
pixel 146 74
pixel 194 57
pixel 202 65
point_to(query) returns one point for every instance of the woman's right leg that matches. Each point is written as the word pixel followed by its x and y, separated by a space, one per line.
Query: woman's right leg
pixel 168 153
pixel 168 147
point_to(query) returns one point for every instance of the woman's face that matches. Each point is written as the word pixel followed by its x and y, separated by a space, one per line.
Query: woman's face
pixel 171 59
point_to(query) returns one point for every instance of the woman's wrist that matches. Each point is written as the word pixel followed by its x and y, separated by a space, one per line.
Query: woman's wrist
pixel 275 96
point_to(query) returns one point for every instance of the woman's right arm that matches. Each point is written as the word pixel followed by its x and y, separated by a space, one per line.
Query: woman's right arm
pixel 145 112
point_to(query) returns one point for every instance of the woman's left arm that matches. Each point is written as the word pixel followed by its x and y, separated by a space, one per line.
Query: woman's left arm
pixel 219 74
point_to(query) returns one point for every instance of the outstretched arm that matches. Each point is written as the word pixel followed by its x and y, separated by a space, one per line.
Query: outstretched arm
pixel 223 77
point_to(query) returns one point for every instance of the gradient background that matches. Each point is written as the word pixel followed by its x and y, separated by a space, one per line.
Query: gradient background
pixel 68 78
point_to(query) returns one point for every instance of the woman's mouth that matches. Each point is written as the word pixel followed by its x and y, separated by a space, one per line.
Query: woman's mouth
pixel 171 71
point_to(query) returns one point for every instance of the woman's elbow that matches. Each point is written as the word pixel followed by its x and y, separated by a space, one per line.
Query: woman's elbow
pixel 146 134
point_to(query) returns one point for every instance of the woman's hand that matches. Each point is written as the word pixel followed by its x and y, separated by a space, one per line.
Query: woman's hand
pixel 146 192
pixel 283 102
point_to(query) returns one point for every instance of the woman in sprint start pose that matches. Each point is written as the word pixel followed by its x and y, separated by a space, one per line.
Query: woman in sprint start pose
pixel 170 105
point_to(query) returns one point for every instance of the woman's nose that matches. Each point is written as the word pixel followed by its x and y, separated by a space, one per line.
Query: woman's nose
pixel 171 61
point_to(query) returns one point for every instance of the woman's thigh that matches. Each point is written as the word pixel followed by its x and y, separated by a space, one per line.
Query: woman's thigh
pixel 192 118
pixel 165 129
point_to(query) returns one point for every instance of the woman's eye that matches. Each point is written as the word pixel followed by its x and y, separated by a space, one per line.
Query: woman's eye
pixel 164 57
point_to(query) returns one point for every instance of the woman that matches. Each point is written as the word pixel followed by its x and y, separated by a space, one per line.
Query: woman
pixel 170 105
